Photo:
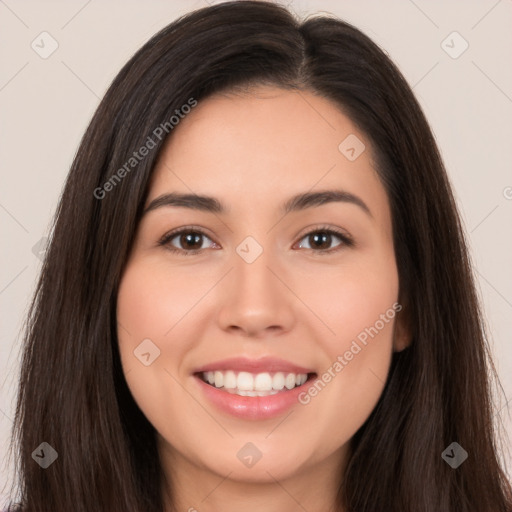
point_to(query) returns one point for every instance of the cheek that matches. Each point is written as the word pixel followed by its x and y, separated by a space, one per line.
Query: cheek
pixel 359 307
pixel 350 299
pixel 154 299
pixel 149 307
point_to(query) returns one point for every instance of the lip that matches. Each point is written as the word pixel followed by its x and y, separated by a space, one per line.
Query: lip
pixel 261 365
pixel 249 407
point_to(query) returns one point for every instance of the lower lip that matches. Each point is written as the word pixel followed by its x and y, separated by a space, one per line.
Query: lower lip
pixel 252 407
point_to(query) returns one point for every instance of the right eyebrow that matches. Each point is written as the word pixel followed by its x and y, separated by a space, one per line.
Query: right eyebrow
pixel 192 201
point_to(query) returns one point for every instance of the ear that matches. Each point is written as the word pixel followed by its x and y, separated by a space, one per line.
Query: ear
pixel 402 333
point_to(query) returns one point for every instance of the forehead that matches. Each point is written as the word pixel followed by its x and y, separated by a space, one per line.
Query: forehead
pixel 263 146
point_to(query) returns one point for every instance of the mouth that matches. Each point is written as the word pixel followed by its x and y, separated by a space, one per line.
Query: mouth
pixel 252 389
pixel 248 384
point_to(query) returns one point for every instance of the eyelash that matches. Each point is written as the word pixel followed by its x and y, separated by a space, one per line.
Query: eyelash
pixel 346 241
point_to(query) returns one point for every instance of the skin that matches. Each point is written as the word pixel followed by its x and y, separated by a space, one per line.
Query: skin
pixel 253 151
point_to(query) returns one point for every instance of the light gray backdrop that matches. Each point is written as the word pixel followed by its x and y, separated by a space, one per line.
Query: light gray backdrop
pixel 58 57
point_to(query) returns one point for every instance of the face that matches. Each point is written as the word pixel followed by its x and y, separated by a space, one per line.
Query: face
pixel 258 292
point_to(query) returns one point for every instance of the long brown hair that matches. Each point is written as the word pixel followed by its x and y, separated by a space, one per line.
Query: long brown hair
pixel 72 391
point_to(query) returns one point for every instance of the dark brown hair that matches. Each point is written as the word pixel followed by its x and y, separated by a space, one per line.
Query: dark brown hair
pixel 72 392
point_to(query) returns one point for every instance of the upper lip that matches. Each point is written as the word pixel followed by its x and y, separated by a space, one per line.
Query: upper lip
pixel 261 365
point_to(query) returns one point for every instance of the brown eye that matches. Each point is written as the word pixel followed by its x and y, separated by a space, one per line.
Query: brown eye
pixel 185 241
pixel 190 240
pixel 320 240
pixel 325 241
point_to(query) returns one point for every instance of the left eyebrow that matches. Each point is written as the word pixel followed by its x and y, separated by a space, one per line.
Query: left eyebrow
pixel 311 199
pixel 296 203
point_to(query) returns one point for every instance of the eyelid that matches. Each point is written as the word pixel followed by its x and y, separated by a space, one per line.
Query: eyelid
pixel 345 237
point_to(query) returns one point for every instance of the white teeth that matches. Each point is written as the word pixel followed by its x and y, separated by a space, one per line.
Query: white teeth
pixel 248 384
pixel 263 382
pixel 289 382
pixel 230 380
pixel 252 393
pixel 278 381
pixel 245 381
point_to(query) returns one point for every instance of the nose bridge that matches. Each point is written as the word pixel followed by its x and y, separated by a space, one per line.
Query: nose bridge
pixel 252 270
pixel 256 299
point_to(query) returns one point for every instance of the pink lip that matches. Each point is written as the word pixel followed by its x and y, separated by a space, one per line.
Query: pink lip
pixel 264 364
pixel 252 408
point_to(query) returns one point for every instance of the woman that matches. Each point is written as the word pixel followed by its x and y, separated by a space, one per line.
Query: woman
pixel 257 292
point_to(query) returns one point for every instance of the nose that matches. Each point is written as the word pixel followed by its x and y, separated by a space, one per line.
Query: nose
pixel 256 302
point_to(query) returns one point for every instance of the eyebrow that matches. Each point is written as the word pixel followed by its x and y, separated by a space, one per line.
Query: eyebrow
pixel 296 203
